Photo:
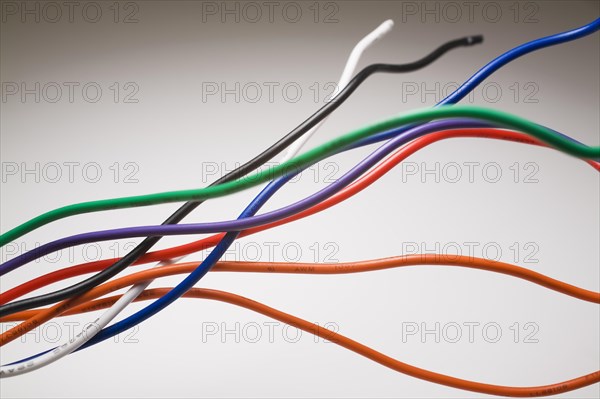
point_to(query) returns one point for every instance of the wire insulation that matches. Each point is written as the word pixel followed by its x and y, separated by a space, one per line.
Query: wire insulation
pixel 298 163
pixel 311 122
pixel 415 260
pixel 133 292
pixel 461 92
pixel 487 115
pixel 393 160
pixel 394 364
pixel 557 140
pixel 351 190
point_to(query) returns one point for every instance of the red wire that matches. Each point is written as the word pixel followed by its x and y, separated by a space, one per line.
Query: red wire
pixel 366 180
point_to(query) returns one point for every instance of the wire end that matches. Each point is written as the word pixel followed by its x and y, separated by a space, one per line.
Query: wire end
pixel 473 40
pixel 383 29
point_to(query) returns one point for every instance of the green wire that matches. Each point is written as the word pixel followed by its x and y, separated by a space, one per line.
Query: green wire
pixel 316 154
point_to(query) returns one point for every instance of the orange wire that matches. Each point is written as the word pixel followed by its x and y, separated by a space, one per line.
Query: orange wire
pixel 357 347
pixel 33 318
pixel 86 303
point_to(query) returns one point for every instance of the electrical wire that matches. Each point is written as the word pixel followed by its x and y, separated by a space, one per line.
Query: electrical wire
pixel 221 184
pixel 454 97
pixel 351 190
pixel 143 247
pixel 298 163
pixel 422 259
pixel 131 294
pixel 405 368
pixel 368 179
pixel 346 78
pixel 317 154
pixel 483 73
pixel 312 268
pixel 526 48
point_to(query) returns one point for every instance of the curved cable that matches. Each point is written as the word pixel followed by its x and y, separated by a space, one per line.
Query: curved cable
pixel 316 154
pixel 145 245
pixel 556 388
pixel 131 294
pixel 344 80
pixel 221 185
pixel 511 55
pixel 302 161
pixel 526 48
pixel 376 173
pixel 312 268
pixel 351 190
pixel 454 97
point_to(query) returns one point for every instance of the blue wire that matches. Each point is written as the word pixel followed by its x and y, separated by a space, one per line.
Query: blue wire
pixel 498 63
pixel 270 189
pixel 214 256
pixel 275 185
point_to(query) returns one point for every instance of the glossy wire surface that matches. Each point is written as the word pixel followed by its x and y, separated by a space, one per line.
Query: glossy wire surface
pixel 294 166
pixel 350 190
pixel 400 131
pixel 461 92
pixel 402 153
pixel 128 297
pixel 84 303
pixel 487 115
pixel 302 129
pixel 452 98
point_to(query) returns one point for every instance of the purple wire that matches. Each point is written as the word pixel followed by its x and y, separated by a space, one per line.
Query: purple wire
pixel 250 222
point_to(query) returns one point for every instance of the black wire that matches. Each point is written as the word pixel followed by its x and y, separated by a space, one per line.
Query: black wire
pixel 99 278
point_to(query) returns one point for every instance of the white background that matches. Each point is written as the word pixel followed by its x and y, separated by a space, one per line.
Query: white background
pixel 173 134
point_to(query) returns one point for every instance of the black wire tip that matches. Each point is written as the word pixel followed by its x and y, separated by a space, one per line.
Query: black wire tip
pixel 472 40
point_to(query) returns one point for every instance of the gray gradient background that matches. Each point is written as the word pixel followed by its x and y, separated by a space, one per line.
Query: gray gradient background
pixel 169 53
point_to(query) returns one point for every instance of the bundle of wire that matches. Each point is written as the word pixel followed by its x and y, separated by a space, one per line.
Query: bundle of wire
pixel 403 135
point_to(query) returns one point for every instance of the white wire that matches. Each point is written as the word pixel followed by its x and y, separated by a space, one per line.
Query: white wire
pixel 93 328
pixel 351 64
pixel 85 335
